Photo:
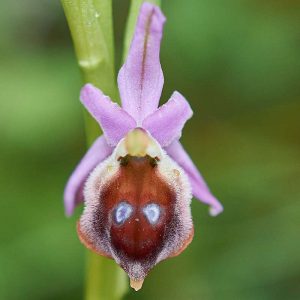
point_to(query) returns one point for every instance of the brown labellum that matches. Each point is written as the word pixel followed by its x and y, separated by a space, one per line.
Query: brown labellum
pixel 137 209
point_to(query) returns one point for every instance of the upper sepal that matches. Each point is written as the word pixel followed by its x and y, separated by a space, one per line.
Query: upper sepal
pixel 141 78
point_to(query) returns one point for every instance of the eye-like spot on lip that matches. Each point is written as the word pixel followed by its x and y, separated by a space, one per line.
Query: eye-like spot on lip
pixel 122 212
pixel 152 213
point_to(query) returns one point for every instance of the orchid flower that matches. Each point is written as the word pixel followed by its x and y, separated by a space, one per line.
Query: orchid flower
pixel 137 180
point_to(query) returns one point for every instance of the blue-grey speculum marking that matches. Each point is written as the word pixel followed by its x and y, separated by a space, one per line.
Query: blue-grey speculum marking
pixel 152 213
pixel 122 212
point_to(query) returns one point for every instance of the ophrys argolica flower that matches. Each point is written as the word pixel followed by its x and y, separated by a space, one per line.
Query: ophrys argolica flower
pixel 136 180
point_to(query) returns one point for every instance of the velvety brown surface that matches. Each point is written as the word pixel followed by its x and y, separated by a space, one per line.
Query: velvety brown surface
pixel 88 243
pixel 138 184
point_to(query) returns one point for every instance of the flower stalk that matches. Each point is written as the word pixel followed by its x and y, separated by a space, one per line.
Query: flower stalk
pixel 91 28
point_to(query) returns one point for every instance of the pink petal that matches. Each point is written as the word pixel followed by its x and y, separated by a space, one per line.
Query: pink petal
pixel 141 79
pixel 166 123
pixel 73 190
pixel 199 187
pixel 114 121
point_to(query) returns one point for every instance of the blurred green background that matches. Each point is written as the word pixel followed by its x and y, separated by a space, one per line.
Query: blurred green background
pixel 237 62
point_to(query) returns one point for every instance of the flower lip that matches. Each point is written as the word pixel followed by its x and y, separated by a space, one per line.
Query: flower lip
pixel 132 209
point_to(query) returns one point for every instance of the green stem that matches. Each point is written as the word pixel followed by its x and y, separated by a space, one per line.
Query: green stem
pixel 105 279
pixel 90 23
pixel 130 26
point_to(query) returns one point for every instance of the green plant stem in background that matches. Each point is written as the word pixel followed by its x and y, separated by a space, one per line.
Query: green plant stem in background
pixel 133 13
pixel 105 279
pixel 90 23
